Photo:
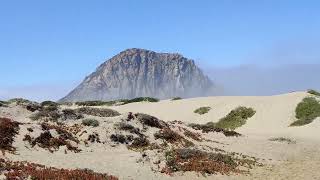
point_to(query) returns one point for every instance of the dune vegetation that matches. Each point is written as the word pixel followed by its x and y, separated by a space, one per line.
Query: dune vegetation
pixel 236 118
pixel 307 111
pixel 314 92
pixel 202 110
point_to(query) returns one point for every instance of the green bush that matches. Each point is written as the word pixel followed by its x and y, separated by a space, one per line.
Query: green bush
pixel 49 103
pixel 307 111
pixel 140 99
pixel 176 98
pixel 314 92
pixel 101 112
pixel 236 118
pixel 90 122
pixel 19 101
pixel 202 110
pixel 4 103
pixel 96 103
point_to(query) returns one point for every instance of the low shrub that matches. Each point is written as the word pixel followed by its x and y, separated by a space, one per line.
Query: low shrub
pixel 314 92
pixel 122 139
pixel 100 112
pixel 151 121
pixel 19 101
pixel 33 106
pixel 172 137
pixel 94 138
pixel 200 161
pixel 71 114
pixel 8 130
pixel 49 103
pixel 96 103
pixel 128 127
pixel 26 170
pixel 139 143
pixel 202 110
pixel 176 98
pixel 47 114
pixel 283 139
pixel 90 122
pixel 236 118
pixel 210 127
pixel 4 104
pixel 141 99
pixel 307 111
pixel 47 141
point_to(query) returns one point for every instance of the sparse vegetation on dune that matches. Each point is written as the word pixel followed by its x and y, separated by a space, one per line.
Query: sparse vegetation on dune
pixel 4 104
pixel 283 139
pixel 19 101
pixel 211 127
pixel 100 112
pixel 141 99
pixel 26 170
pixel 100 103
pixel 176 98
pixel 307 111
pixel 8 130
pixel 47 141
pixel 314 92
pixel 236 118
pixel 151 121
pixel 203 162
pixel 202 110
pixel 172 137
pixel 49 103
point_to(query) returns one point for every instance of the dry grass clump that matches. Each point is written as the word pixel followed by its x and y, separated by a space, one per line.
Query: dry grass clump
pixel 47 141
pixel 90 122
pixel 151 121
pixel 26 170
pixel 283 139
pixel 210 127
pixel 8 130
pixel 200 161
pixel 202 110
pixel 100 112
pixel 236 118
pixel 307 111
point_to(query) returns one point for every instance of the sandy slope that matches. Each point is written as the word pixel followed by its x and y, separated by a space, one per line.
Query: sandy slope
pixel 272 118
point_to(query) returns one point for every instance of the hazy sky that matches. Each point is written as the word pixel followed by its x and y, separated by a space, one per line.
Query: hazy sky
pixel 53 45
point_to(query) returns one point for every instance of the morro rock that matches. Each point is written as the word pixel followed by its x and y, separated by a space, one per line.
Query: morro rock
pixel 139 72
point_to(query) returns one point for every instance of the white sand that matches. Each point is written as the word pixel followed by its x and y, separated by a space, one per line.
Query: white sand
pixel 272 119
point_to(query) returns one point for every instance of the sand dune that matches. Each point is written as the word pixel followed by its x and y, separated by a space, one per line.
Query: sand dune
pixel 299 160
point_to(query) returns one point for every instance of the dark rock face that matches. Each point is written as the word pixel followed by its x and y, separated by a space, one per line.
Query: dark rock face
pixel 139 72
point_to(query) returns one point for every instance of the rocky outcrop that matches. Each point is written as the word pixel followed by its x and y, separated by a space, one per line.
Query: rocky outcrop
pixel 139 72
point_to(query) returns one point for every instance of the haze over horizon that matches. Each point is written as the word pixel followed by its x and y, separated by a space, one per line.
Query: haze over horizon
pixel 47 48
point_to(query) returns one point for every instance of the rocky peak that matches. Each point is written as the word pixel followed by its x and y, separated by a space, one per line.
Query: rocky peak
pixel 139 72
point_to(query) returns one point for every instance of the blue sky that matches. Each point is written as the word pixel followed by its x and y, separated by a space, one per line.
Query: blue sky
pixel 48 43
